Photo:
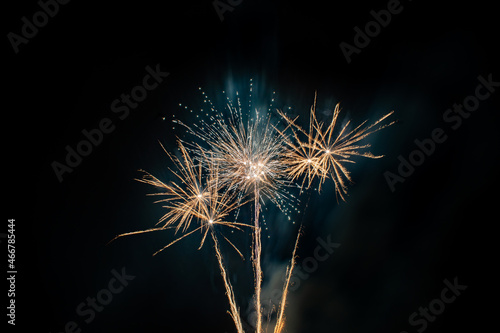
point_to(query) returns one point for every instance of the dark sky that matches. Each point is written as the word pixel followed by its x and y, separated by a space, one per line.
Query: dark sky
pixel 397 247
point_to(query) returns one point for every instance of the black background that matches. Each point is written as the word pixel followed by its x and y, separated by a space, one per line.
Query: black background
pixel 396 247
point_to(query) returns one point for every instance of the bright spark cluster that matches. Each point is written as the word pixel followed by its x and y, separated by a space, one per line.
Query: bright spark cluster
pixel 248 148
pixel 196 195
pixel 319 153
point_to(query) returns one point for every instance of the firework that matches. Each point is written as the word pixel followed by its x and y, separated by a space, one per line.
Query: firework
pixel 248 158
pixel 195 197
pixel 323 155
pixel 249 154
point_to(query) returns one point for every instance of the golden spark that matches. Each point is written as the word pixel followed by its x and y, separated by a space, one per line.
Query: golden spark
pixel 323 155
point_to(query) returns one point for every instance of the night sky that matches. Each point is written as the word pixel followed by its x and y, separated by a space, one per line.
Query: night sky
pixel 403 236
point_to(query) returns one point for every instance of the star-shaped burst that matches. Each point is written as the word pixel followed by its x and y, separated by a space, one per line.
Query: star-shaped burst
pixel 323 153
pixel 195 195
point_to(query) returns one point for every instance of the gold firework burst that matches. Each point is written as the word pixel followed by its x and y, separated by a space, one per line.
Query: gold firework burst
pixel 249 154
pixel 195 197
pixel 250 158
pixel 323 155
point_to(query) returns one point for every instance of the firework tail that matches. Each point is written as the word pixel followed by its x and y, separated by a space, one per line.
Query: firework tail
pixel 256 260
pixel 280 323
pixel 234 312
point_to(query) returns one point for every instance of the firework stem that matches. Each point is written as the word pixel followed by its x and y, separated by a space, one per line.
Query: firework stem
pixel 234 311
pixel 256 260
pixel 280 323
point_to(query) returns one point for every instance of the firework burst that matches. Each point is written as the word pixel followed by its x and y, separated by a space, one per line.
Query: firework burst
pixel 250 155
pixel 195 197
pixel 323 155
pixel 191 197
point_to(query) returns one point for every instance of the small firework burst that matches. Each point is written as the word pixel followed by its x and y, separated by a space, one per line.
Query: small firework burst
pixel 200 197
pixel 193 196
pixel 323 155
